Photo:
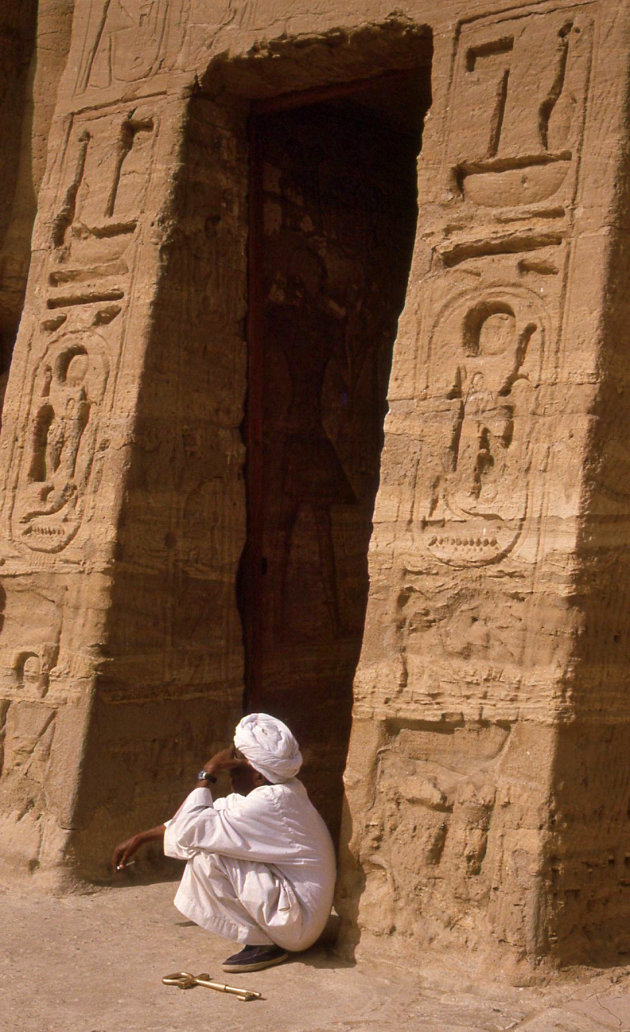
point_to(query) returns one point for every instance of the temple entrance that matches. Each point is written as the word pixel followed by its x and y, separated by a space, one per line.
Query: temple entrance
pixel 332 224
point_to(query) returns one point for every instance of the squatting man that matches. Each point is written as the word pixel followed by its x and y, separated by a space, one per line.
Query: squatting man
pixel 260 863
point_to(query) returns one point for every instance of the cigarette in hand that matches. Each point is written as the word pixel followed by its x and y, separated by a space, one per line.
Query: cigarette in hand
pixel 121 867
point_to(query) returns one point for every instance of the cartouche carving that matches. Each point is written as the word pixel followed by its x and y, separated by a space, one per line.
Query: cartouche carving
pixel 485 364
pixel 70 383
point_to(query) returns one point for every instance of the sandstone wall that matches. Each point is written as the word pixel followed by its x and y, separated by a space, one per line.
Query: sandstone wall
pixel 17 36
pixel 486 781
pixel 35 40
pixel 486 682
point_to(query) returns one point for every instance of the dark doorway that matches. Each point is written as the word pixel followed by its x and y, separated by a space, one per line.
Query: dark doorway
pixel 333 212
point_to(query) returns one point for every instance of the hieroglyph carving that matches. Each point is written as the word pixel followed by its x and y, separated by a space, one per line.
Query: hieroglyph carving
pixel 520 84
pixel 107 169
pixel 518 99
pixel 31 671
pixel 69 386
pixel 485 361
pixel 94 238
pixel 129 40
pixel 429 842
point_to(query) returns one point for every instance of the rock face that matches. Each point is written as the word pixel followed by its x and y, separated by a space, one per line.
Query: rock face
pixel 194 418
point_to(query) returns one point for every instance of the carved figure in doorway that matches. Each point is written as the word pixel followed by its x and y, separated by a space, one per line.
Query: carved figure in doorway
pixel 307 327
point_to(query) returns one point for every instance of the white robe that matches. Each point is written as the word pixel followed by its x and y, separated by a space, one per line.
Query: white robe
pixel 261 867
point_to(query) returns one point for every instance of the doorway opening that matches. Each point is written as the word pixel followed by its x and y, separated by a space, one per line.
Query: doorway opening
pixel 18 31
pixel 333 209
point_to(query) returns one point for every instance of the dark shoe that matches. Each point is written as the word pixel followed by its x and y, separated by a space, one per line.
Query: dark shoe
pixel 255 958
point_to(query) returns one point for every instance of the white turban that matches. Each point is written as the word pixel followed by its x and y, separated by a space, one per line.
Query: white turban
pixel 269 746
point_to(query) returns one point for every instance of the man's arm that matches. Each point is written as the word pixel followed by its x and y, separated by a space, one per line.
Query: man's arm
pixel 224 760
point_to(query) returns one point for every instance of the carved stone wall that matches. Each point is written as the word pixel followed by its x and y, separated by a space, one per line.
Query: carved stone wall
pixel 491 689
pixel 173 686
pixel 69 425
pixel 467 807
pixel 34 43
pixel 17 39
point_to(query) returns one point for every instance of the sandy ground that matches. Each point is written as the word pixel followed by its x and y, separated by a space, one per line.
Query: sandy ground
pixel 93 963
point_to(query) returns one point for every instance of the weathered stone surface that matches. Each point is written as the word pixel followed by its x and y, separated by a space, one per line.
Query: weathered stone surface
pixel 153 474
pixel 470 661
pixel 35 40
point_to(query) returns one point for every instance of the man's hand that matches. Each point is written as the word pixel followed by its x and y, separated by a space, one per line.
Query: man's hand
pixel 226 759
pixel 124 852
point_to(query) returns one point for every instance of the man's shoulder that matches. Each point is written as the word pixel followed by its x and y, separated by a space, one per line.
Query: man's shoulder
pixel 285 789
pixel 284 795
pixel 270 799
pixel 275 793
pixel 261 798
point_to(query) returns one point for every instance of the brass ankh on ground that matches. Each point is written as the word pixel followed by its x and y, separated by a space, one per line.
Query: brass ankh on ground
pixel 184 980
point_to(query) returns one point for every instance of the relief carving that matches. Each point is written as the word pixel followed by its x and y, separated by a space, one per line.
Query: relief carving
pixel 525 79
pixel 451 631
pixel 484 365
pixel 459 637
pixel 28 733
pixel 129 40
pixel 111 164
pixel 104 181
pixel 429 834
pixel 30 675
pixel 69 386
pixel 31 670
pixel 107 173
pixel 306 328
